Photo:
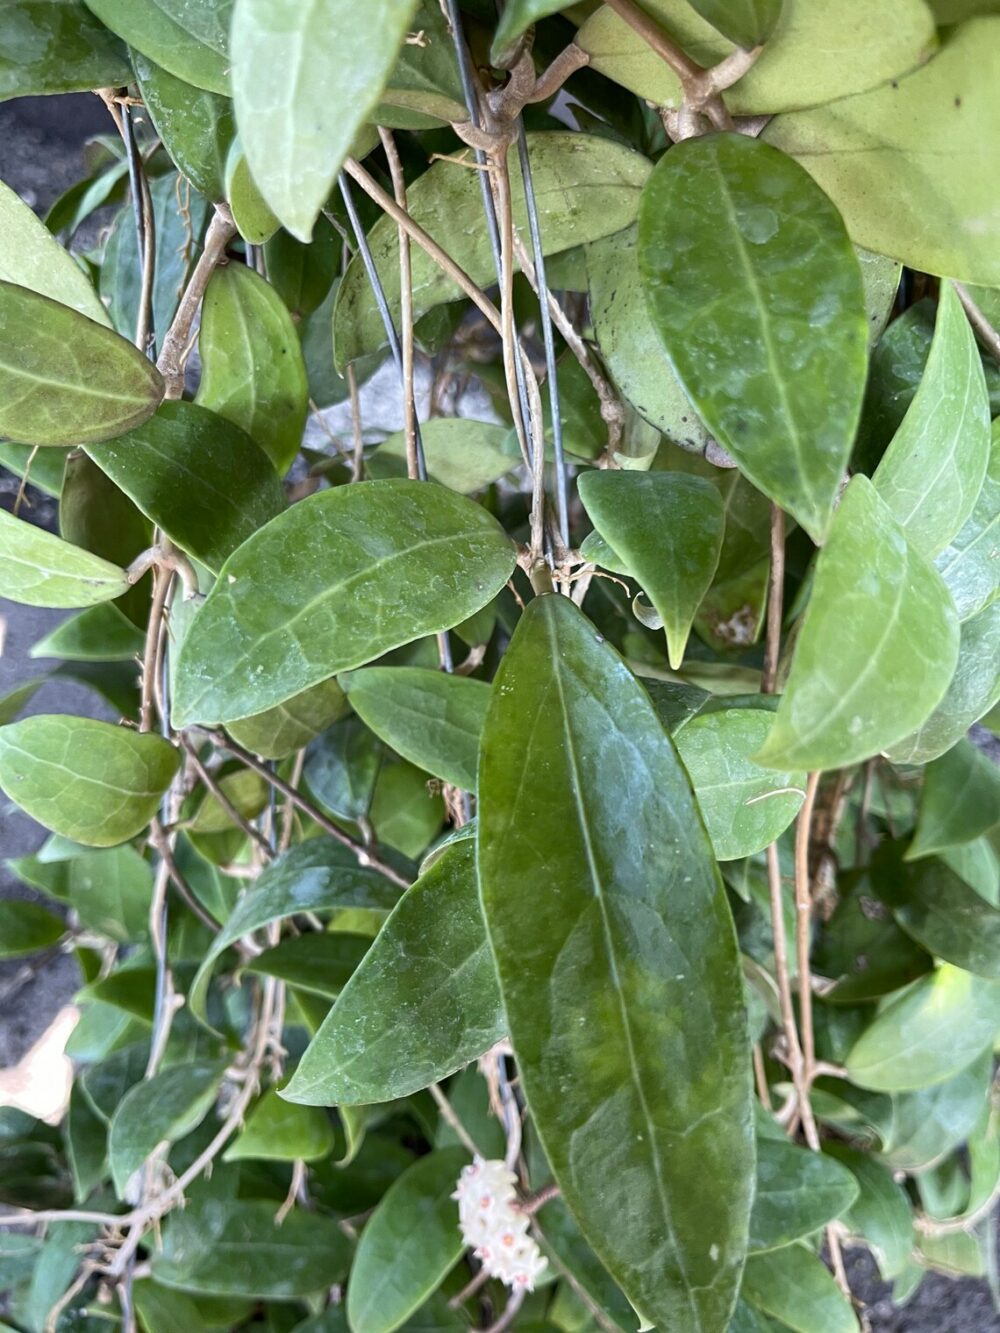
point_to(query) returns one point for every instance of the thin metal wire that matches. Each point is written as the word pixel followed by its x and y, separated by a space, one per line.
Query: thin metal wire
pixel 392 337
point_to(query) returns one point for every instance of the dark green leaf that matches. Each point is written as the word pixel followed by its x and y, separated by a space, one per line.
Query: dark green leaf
pixel 321 963
pixel 289 726
pixel 146 25
pixel 409 1244
pixel 928 1033
pixel 882 1215
pixel 748 23
pixel 425 78
pixel 667 528
pixel 423 1002
pixel 427 558
pixel 931 474
pixel 65 379
pixel 164 1107
pixel 969 566
pixel 407 809
pixel 757 295
pixel 428 717
pixel 279 1132
pixel 602 903
pixel 86 1137
pixel 297 131
pixel 26 928
pixel 51 46
pixel 794 1287
pixel 90 781
pixel 960 799
pixel 342 766
pixel 798 1192
pixel 234 1247
pixel 99 634
pixel 198 477
pixel 32 257
pixel 316 876
pixel 572 1253
pixel 195 126
pixel 863 950
pixel 876 650
pixel 303 275
pixel 39 569
pixel 515 19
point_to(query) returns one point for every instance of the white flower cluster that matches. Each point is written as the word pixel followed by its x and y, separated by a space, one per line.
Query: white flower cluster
pixel 494 1227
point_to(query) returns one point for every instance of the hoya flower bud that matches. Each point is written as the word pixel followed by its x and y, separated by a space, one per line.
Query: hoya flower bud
pixel 493 1226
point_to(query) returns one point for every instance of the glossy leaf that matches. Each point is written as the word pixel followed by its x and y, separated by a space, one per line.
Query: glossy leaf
pixel 931 474
pixel 99 634
pixel 929 1033
pixel 289 726
pixel 466 456
pixel 745 807
pixel 167 1106
pixel 96 514
pixel 974 689
pixel 667 528
pixel 601 902
pixel 197 476
pixel 32 257
pixel 798 1192
pixel 146 25
pixel 39 569
pixel 585 188
pixel 49 46
pixel 877 648
pixel 794 1287
pixel 297 131
pixel 320 962
pixel 252 368
pixel 423 1002
pixel 90 781
pixel 234 1247
pixel 316 876
pixel 815 54
pixel 874 153
pixel 881 1215
pixel 279 1132
pixel 65 379
pixel 195 126
pixel 757 295
pixel 428 717
pixel 409 1244
pixel 342 766
pixel 970 566
pixel 960 799
pixel 27 928
pixel 427 557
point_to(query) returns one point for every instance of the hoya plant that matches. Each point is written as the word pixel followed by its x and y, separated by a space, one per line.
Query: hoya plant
pixel 528 508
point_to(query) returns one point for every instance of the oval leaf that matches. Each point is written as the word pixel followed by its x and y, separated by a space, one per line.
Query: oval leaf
pixel 90 781
pixel 164 1107
pixel 38 569
pixel 960 799
pixel 795 1288
pixel 277 1132
pixel 296 603
pixel 196 126
pixel 146 25
pixel 32 257
pixel 602 903
pixel 49 46
pixel 797 1193
pixel 287 727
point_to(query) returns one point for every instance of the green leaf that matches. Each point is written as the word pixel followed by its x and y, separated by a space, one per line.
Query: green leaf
pixel 601 178
pixel 342 766
pixel 815 54
pixel 318 962
pixel 745 807
pixel 928 1033
pixel 960 800
pixel 287 727
pixel 208 21
pixel 86 1137
pixel 974 689
pixel 794 1287
pixel 757 294
pixel 602 903
pixel 881 1215
pixel 39 569
pixel 667 527
pixel 305 78
pixel 423 1002
pixel 99 634
pixel 45 468
pixel 65 379
pixel 970 566
pixel 276 1131
pixel 316 876
pixel 164 1107
pixel 90 781
pixel 874 154
pixel 109 890
pixel 15 700
pixel 748 23
pixel 245 791
pixel 798 1192
pixel 428 717
pixel 252 368
pixel 876 650
pixel 303 275
pixel 425 78
pixel 254 219
pixel 197 476
pixel 931 474
pixel 147 26
pixel 425 557
pixel 515 19
pixel 195 126
pixel 26 928
pixel 464 455
pixel 408 1246
pixel 564 1239
pixel 32 257
pixel 234 1247
pixel 55 46
pixel 863 950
